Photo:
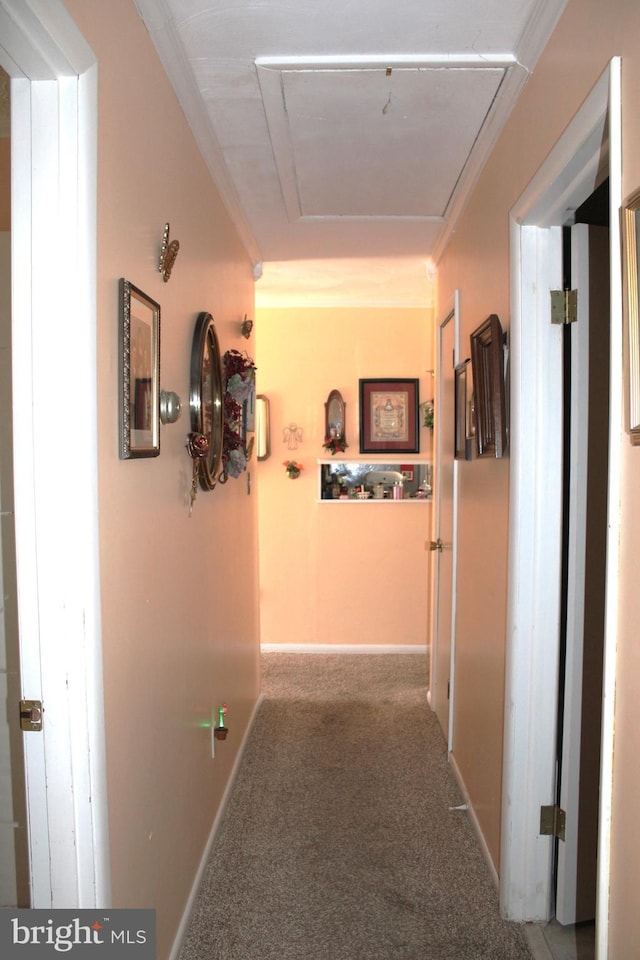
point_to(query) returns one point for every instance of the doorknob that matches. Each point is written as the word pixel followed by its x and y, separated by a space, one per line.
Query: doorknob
pixel 436 545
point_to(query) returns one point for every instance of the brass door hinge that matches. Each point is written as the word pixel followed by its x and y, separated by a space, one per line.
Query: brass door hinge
pixel 564 306
pixel 31 715
pixel 553 822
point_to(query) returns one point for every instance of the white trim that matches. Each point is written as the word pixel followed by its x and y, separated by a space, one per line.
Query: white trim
pixel 374 61
pixel 54 188
pixel 344 648
pixel 567 177
pixel 217 820
pixel 475 823
pixel 613 510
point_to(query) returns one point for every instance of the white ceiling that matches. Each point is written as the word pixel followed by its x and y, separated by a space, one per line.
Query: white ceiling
pixel 347 130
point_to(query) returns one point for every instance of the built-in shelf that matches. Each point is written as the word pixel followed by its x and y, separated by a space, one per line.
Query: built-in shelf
pixel 368 481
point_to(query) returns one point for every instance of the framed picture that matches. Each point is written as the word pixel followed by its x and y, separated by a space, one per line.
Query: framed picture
pixel 139 373
pixel 631 233
pixel 389 416
pixel 464 431
pixel 487 362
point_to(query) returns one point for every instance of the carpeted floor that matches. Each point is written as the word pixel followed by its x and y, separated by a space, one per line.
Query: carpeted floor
pixel 339 841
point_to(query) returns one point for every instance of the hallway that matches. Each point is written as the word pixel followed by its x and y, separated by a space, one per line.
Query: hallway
pixel 345 835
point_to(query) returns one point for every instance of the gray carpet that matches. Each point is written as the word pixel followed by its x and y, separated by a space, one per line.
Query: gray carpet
pixel 338 842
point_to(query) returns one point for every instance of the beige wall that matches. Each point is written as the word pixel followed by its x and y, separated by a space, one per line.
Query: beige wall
pixel 477 262
pixel 179 594
pixel 353 573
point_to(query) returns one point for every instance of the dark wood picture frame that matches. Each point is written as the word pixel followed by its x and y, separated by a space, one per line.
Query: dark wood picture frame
pixel 389 415
pixel 487 362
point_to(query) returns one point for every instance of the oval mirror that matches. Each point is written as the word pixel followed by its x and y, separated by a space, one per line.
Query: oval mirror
pixel 205 398
pixel 334 414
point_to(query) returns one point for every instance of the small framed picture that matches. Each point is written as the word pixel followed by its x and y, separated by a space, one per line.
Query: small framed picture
pixel 139 373
pixel 389 416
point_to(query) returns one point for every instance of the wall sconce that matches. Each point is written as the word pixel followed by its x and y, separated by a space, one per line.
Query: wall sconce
pixel 170 406
pixel 246 327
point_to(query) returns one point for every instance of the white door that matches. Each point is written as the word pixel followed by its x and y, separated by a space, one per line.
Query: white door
pixel 443 541
pixel 586 556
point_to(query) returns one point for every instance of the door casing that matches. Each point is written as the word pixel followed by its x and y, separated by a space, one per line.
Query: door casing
pixel 54 187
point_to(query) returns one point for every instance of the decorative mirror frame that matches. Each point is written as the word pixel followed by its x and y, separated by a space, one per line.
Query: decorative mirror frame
pixel 487 363
pixel 334 416
pixel 206 396
pixel 263 428
pixel 630 233
pixel 139 373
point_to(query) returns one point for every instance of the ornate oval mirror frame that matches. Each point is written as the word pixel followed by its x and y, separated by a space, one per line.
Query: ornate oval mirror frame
pixel 205 396
pixel 334 416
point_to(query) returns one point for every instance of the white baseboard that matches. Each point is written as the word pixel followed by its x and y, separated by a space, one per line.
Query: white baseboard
pixel 195 888
pixel 475 824
pixel 344 648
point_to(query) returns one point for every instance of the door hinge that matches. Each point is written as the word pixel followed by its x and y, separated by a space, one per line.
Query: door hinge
pixel 564 306
pixel 31 715
pixel 553 822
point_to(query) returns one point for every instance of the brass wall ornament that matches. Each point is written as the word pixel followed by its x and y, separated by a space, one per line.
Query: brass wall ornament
pixel 168 254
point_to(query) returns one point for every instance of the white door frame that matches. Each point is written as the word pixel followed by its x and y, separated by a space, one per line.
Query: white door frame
pixel 54 178
pixel 567 177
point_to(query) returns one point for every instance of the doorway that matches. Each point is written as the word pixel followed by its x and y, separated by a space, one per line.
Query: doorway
pixel 586 356
pixel 589 150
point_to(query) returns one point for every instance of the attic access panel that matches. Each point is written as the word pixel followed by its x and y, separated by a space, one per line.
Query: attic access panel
pixel 374 142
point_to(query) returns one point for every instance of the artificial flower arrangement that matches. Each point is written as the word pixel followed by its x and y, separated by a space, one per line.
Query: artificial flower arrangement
pixel 240 380
pixel 293 469
pixel 335 443
pixel 428 413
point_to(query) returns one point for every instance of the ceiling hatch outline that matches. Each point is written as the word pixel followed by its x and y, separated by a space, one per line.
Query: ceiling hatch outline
pixel 311 103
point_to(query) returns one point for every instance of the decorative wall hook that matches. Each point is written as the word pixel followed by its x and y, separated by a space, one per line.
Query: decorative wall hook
pixel 168 254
